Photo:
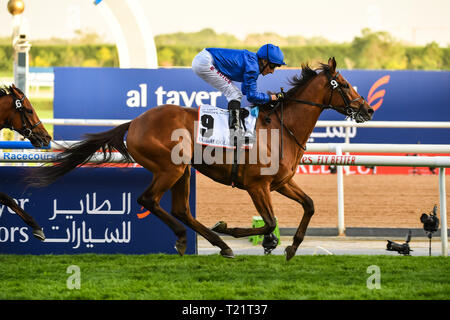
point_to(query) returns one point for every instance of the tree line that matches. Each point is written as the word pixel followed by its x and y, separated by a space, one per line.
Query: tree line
pixel 371 50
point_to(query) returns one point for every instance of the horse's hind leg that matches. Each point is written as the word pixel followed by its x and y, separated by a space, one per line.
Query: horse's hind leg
pixel 151 198
pixel 293 191
pixel 181 210
pixel 9 202
pixel 262 201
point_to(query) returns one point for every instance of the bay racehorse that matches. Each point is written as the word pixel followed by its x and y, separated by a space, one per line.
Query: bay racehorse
pixel 17 113
pixel 151 141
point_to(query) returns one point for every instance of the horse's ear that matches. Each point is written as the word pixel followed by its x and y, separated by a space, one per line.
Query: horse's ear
pixel 332 64
pixel 13 89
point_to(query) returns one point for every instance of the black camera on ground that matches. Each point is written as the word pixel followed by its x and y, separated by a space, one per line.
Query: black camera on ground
pixel 403 249
pixel 430 222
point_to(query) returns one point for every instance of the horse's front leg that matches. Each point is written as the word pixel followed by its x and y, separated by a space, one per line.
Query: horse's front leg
pixel 293 191
pixel 263 203
pixel 9 202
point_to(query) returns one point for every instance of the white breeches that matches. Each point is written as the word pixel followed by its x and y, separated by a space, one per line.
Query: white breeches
pixel 203 66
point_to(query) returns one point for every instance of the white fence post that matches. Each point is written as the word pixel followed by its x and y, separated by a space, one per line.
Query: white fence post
pixel 340 189
pixel 443 211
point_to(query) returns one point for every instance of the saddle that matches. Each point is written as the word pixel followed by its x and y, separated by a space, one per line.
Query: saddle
pixel 213 129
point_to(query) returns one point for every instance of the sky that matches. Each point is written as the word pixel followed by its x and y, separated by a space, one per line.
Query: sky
pixel 415 21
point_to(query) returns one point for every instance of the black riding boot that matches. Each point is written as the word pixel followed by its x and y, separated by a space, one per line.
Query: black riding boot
pixel 234 107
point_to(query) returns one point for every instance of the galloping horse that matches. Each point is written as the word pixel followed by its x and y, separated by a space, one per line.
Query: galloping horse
pixel 17 113
pixel 150 143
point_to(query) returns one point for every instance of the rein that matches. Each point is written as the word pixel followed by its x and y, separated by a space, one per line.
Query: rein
pixel 348 110
pixel 285 127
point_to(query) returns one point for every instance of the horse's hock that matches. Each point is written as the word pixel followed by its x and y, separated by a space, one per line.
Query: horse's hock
pixel 387 201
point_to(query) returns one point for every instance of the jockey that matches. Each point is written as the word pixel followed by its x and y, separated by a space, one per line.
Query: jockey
pixel 219 67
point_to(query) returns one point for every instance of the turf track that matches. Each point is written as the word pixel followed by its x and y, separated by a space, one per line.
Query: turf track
pixel 171 277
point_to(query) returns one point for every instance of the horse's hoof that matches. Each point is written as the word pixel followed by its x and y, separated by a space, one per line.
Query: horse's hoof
pixel 180 246
pixel 220 227
pixel 39 234
pixel 227 253
pixel 289 252
pixel 270 242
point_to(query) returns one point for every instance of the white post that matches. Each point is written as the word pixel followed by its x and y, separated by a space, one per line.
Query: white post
pixel 340 187
pixel 443 211
pixel 347 142
pixel 347 135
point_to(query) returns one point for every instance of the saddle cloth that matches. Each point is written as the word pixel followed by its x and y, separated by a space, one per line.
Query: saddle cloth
pixel 213 127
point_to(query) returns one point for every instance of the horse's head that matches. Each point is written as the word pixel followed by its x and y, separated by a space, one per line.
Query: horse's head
pixel 343 97
pixel 19 115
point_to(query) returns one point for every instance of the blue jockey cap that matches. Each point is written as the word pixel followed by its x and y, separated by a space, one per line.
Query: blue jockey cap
pixel 271 53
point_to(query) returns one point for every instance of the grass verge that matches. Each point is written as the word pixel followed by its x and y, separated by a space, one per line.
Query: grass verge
pixel 170 277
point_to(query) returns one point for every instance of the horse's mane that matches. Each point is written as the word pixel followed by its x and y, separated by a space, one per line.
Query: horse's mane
pixel 298 81
pixel 4 91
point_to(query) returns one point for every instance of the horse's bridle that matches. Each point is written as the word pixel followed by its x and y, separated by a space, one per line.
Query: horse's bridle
pixel 335 85
pixel 348 110
pixel 27 128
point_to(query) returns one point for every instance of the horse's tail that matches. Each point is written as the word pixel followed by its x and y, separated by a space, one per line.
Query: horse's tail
pixel 81 152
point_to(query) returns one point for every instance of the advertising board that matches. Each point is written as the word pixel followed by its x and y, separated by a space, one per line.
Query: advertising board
pixel 90 210
pixel 112 93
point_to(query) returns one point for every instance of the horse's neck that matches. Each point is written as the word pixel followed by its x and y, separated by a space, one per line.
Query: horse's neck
pixel 4 112
pixel 302 118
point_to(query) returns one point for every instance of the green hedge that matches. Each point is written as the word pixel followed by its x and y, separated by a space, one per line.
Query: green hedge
pixel 357 55
pixel 62 55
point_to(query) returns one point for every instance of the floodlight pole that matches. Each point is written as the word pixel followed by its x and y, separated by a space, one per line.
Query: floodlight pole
pixel 21 62
pixel 20 44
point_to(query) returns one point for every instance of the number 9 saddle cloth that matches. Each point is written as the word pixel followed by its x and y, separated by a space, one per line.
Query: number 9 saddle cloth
pixel 212 128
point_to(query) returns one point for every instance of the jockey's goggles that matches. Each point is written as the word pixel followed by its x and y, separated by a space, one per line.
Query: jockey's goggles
pixel 273 65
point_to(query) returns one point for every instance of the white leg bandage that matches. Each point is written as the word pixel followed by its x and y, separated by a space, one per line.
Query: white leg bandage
pixel 203 66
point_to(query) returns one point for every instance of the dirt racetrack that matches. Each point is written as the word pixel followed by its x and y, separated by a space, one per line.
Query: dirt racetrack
pixel 388 201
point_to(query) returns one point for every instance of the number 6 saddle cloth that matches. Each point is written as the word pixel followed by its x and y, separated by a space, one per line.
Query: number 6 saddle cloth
pixel 213 130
